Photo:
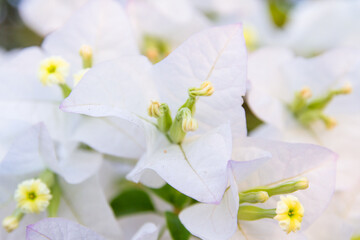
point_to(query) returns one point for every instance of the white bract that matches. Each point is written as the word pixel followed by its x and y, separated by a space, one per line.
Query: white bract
pixel 32 153
pixel 317 26
pixel 125 88
pixel 60 229
pixel 330 84
pixel 285 79
pixel 306 171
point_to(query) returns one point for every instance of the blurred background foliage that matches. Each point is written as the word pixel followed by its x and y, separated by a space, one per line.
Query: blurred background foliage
pixel 13 32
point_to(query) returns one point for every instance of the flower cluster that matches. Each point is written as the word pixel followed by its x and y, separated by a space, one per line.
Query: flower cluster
pixel 177 119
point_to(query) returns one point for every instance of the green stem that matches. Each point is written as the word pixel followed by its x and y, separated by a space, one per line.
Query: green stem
pixel 66 90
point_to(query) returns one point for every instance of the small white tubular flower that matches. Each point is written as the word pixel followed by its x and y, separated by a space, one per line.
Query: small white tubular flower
pixel 32 196
pixel 79 75
pixel 289 213
pixel 53 70
pixel 10 223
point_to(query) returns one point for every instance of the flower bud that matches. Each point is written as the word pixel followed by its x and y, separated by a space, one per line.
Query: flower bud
pixel 189 124
pixel 252 213
pixel 10 223
pixel 282 188
pixel 154 109
pixel 206 89
pixel 305 93
pixel 86 54
pixel 254 197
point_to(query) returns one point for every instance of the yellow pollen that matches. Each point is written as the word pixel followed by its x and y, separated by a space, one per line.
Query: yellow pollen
pixel 53 70
pixel 289 213
pixel 32 196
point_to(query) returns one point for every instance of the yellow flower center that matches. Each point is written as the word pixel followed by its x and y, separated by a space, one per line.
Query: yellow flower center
pixel 32 196
pixel 289 213
pixel 53 70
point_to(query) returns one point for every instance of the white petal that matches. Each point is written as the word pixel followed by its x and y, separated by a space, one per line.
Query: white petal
pixel 93 25
pixel 10 130
pixel 200 173
pixel 330 24
pixel 217 55
pixel 79 166
pixel 210 221
pixel 292 161
pixel 20 78
pixel 44 17
pixel 112 136
pixel 148 231
pixel 28 152
pixel 119 88
pixel 59 229
pixel 86 204
pixel 268 90
pixel 132 224
pixel 169 20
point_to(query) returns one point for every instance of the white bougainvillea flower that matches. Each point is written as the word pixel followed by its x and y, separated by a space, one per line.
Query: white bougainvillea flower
pixel 306 171
pixel 125 88
pixel 329 87
pixel 287 79
pixel 330 24
pixel 61 229
pixel 33 153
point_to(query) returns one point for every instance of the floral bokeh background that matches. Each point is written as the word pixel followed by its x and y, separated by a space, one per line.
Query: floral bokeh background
pixel 286 169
